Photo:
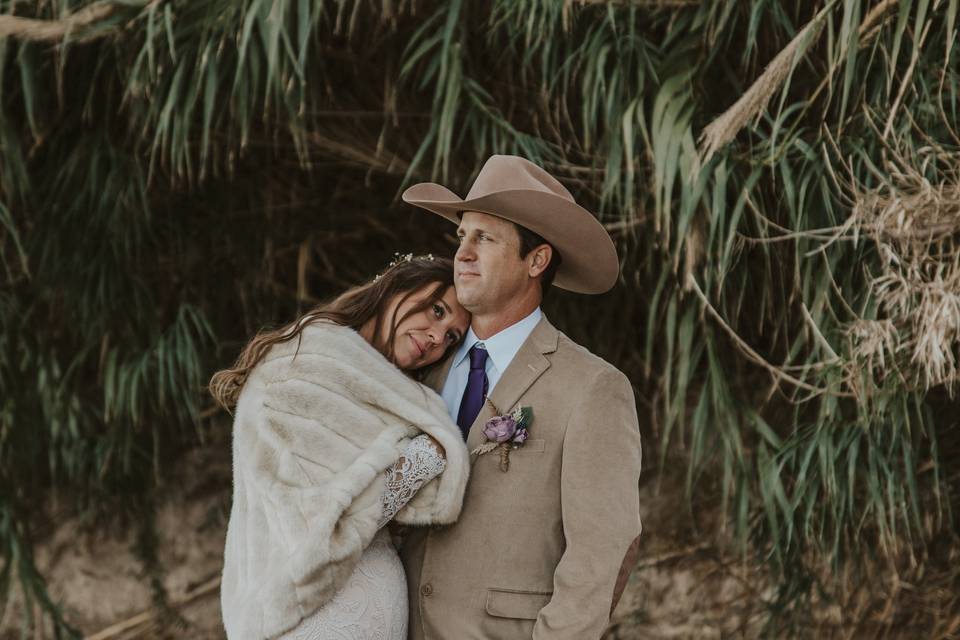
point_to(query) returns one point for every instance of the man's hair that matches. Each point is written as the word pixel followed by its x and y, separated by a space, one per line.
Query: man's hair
pixel 530 241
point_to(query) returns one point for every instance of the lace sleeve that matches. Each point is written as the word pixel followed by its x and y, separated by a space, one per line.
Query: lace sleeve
pixel 421 461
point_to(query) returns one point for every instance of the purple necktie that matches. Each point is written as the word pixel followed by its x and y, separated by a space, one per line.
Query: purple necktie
pixel 476 389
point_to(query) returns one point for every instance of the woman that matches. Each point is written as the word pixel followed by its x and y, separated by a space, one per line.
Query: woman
pixel 331 438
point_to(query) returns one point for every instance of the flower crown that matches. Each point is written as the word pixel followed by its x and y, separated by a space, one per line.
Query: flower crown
pixel 399 258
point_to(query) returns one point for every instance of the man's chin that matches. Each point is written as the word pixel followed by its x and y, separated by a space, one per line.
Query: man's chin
pixel 466 294
pixel 468 302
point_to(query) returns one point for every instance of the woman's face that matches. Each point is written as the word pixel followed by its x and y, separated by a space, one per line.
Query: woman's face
pixel 425 336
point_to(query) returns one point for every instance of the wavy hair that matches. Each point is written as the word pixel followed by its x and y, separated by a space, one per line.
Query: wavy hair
pixel 353 308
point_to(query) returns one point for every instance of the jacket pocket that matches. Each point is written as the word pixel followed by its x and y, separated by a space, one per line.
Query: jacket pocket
pixel 511 603
pixel 531 446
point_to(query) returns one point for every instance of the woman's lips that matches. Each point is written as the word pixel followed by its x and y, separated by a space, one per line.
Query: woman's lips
pixel 418 346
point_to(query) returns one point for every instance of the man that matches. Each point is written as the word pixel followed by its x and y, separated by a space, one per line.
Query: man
pixel 539 548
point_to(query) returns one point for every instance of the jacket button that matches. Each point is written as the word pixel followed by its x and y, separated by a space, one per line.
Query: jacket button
pixel 426 589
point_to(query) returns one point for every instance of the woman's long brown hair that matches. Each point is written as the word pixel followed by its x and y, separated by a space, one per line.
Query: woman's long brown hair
pixel 351 309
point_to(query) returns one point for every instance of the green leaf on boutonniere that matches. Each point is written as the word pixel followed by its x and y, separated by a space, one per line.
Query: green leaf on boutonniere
pixel 526 416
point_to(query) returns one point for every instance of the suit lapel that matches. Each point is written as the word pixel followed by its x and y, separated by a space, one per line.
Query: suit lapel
pixel 528 365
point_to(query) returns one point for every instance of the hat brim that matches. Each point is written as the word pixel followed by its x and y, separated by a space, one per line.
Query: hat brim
pixel 590 263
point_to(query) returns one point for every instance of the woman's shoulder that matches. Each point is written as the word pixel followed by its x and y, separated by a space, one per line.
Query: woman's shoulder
pixel 322 334
pixel 335 356
pixel 326 339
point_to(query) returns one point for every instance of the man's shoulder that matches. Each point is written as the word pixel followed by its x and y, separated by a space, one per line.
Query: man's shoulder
pixel 587 364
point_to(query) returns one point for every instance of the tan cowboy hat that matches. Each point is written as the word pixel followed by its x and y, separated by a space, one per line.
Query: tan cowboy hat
pixel 517 190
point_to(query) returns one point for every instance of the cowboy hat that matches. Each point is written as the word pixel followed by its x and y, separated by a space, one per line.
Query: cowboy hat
pixel 517 190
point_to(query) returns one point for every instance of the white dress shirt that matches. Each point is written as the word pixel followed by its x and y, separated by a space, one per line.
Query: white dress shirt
pixel 501 349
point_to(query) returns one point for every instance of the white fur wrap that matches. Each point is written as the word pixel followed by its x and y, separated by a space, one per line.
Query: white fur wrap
pixel 315 427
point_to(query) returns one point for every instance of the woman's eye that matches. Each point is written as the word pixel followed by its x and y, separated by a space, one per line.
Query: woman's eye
pixel 438 311
pixel 451 337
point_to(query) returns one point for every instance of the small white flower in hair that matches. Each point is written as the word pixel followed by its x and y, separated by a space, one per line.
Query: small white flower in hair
pixel 404 257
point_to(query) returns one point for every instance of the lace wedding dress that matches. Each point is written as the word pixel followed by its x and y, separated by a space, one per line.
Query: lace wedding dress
pixel 372 605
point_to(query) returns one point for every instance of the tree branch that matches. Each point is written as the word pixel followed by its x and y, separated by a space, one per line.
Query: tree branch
pixel 35 30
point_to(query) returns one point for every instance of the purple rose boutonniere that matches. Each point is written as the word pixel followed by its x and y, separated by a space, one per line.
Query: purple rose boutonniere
pixel 506 432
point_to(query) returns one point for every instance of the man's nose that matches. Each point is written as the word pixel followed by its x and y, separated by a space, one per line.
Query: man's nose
pixel 465 252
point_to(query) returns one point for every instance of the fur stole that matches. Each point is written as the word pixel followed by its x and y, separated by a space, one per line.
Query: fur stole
pixel 316 425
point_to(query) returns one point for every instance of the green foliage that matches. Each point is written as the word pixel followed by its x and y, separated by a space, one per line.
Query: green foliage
pixel 183 172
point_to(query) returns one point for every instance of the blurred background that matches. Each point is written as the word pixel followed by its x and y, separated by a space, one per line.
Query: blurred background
pixel 782 180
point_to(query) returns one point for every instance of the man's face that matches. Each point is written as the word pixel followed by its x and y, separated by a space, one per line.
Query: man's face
pixel 488 270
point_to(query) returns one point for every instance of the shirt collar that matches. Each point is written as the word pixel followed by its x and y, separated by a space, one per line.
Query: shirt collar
pixel 502 346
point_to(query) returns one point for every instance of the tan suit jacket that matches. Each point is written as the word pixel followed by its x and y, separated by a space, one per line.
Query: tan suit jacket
pixel 538 550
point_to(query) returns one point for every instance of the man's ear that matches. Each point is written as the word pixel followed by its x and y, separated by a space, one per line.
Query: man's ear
pixel 538 260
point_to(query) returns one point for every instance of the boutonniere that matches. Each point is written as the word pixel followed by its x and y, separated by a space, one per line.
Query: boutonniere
pixel 505 432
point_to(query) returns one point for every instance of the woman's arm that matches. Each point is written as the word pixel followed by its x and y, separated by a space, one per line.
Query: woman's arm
pixel 422 460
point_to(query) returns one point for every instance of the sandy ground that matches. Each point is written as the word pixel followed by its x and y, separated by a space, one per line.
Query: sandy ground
pixel 101 584
pixel 680 588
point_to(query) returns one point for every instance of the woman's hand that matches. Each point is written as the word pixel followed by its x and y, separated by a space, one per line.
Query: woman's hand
pixel 422 460
pixel 436 446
